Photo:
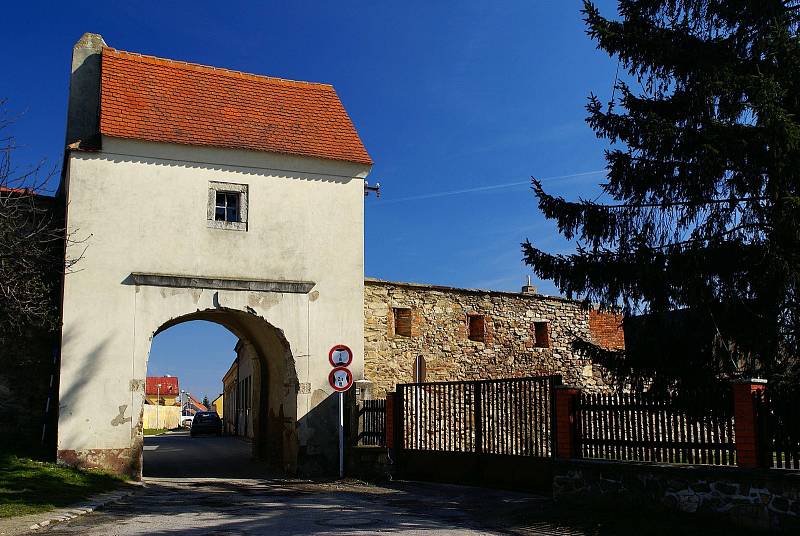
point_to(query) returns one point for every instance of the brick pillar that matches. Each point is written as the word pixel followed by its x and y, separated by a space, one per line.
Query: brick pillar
pixel 566 421
pixel 388 422
pixel 745 424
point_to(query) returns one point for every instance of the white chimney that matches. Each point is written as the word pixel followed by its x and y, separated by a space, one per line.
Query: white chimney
pixel 83 112
pixel 529 289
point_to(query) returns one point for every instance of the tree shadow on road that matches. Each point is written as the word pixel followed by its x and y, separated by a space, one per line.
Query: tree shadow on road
pixel 295 507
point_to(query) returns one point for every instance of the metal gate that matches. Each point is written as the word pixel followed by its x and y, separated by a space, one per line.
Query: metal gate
pixel 463 430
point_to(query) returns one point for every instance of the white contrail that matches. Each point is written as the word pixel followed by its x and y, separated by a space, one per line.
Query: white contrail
pixel 484 188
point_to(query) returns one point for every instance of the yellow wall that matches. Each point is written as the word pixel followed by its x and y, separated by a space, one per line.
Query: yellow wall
pixel 217 403
pixel 166 400
pixel 168 417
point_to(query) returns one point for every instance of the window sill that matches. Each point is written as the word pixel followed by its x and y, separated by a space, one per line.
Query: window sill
pixel 228 225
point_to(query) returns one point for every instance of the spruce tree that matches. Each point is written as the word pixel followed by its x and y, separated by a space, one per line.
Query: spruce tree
pixel 703 183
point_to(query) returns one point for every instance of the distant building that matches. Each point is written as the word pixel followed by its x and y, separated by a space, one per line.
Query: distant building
pixel 193 406
pixel 237 389
pixel 162 391
pixel 217 405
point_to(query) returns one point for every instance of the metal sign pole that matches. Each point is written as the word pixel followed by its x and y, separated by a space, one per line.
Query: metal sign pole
pixel 341 434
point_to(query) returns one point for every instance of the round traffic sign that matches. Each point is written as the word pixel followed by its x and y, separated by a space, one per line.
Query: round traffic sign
pixel 341 379
pixel 340 356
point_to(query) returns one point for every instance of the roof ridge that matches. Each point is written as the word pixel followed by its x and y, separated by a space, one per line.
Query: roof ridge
pixel 220 70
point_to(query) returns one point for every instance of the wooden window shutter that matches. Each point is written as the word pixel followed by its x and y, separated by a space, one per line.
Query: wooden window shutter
pixel 402 321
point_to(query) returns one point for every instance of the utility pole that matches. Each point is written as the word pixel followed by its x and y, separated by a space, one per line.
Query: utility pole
pixel 158 403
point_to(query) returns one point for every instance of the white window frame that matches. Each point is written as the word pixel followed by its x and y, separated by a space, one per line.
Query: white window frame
pixel 229 188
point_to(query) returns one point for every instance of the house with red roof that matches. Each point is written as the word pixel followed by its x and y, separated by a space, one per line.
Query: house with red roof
pixel 162 391
pixel 194 406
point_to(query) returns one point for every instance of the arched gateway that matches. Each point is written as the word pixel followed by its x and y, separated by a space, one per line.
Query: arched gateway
pixel 205 194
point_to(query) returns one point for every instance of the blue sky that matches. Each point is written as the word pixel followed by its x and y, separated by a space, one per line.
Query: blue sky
pixel 447 96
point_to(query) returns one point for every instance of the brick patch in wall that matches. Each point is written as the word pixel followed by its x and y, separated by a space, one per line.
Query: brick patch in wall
pixel 606 329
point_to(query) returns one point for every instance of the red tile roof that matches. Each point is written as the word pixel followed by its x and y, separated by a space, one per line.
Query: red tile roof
pixel 161 100
pixel 169 385
pixel 26 191
pixel 197 404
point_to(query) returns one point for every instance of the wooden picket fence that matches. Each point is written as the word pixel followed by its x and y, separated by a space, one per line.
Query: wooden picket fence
pixel 521 417
pixel 665 429
pixel 779 428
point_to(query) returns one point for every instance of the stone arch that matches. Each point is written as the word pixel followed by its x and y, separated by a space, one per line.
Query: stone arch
pixel 275 380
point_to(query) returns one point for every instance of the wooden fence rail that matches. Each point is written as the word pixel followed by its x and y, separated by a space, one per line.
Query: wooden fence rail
pixel 666 429
pixel 749 425
pixel 778 413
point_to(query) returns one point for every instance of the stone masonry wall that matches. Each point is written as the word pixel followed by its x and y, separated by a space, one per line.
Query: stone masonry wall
pixel 762 499
pixel 439 333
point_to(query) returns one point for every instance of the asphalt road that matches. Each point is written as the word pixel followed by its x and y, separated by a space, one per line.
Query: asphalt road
pixel 211 486
pixel 207 496
pixel 292 507
pixel 175 454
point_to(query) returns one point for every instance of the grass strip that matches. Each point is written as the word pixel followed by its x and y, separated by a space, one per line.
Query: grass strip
pixel 29 486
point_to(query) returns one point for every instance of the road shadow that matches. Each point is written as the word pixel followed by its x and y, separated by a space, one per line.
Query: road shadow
pixel 292 507
pixel 177 455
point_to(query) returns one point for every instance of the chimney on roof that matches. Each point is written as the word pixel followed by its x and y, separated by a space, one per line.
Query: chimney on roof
pixel 528 289
pixel 83 109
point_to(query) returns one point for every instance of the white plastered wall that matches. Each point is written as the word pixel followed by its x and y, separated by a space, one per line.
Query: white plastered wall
pixel 141 207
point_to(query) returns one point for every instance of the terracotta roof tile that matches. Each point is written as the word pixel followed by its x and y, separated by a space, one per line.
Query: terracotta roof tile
pixel 169 385
pixel 154 99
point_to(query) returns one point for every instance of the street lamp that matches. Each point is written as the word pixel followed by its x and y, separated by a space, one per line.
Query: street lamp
pixel 158 403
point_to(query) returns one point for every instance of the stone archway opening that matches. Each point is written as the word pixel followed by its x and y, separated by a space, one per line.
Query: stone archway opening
pixel 258 409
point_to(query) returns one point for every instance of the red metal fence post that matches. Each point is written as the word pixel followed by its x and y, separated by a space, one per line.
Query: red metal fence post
pixel 566 422
pixel 745 421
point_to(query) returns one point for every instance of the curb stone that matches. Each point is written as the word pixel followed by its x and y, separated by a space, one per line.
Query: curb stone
pixel 71 512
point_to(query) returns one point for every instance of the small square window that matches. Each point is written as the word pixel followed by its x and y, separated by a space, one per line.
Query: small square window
pixel 476 328
pixel 227 206
pixel 402 321
pixel 541 333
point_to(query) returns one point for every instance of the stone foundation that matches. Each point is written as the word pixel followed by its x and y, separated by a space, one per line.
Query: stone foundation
pixel 763 499
pixel 125 461
pixel 372 464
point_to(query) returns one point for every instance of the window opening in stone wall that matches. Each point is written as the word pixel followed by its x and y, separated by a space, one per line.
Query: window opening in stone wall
pixel 476 327
pixel 541 333
pixel 227 207
pixel 402 321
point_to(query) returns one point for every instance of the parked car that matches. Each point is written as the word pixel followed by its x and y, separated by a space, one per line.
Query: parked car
pixel 186 421
pixel 206 422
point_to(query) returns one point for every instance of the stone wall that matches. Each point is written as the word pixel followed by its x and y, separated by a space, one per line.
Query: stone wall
pixel 27 420
pixel 764 499
pixel 510 347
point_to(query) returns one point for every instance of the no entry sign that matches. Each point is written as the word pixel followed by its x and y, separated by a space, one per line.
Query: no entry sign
pixel 340 356
pixel 341 379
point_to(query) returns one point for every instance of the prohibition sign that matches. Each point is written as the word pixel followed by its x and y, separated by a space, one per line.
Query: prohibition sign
pixel 340 356
pixel 341 379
